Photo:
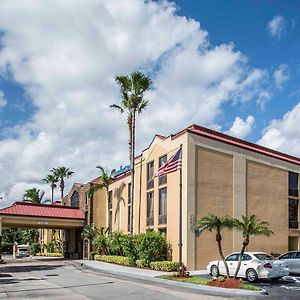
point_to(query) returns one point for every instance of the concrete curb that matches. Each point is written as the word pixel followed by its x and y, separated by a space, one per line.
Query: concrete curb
pixel 205 288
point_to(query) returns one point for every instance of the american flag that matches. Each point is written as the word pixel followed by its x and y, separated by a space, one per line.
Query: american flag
pixel 172 165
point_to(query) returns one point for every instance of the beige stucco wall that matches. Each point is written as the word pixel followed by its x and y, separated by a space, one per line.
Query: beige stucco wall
pixel 267 198
pixel 214 194
pixel 99 208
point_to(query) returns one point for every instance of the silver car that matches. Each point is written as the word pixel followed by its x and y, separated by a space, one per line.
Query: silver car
pixel 292 258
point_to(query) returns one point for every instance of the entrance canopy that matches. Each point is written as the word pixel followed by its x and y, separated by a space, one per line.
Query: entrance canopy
pixel 22 214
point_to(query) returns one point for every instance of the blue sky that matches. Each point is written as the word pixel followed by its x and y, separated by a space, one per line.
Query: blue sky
pixel 233 66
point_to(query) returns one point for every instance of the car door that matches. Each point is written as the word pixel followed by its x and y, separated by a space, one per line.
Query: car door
pixel 288 258
pixel 245 265
pixel 232 262
pixel 296 262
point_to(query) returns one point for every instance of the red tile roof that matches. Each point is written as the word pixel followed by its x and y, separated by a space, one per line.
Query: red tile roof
pixel 42 210
pixel 215 135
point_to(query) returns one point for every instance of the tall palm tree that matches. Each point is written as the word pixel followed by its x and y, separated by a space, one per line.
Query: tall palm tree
pixel 212 222
pixel 52 180
pixel 61 173
pixel 34 195
pixel 105 179
pixel 250 226
pixel 132 89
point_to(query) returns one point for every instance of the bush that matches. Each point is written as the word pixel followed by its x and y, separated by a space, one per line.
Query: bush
pixel 119 260
pixel 35 248
pixel 115 243
pixel 140 263
pixel 92 255
pixel 50 254
pixel 50 246
pixel 101 244
pixel 7 248
pixel 151 246
pixel 128 243
pixel 167 266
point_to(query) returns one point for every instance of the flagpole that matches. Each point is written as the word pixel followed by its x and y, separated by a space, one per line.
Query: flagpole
pixel 180 218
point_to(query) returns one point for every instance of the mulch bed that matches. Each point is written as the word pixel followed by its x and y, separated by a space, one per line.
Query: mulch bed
pixel 230 283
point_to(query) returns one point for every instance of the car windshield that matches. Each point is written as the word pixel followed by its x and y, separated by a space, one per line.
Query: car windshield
pixel 22 249
pixel 263 256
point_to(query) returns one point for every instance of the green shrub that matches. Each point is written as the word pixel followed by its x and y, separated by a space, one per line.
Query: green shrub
pixel 167 266
pixel 35 248
pixel 50 246
pixel 50 254
pixel 7 248
pixel 92 255
pixel 151 246
pixel 140 263
pixel 119 260
pixel 100 243
pixel 115 243
pixel 128 243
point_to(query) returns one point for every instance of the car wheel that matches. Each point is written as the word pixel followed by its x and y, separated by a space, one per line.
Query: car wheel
pixel 251 275
pixel 214 271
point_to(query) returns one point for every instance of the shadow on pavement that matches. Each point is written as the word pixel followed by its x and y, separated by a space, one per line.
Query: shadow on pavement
pixel 30 268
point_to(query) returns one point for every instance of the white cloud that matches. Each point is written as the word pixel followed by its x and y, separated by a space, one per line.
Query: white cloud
pixel 284 134
pixel 241 128
pixel 280 75
pixel 65 55
pixel 3 101
pixel 277 26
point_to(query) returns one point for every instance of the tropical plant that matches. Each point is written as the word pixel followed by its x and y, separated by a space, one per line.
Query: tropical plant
pixel 91 231
pixel 132 89
pixel 250 226
pixel 100 242
pixel 105 179
pixel 61 173
pixel 52 180
pixel 34 195
pixel 211 223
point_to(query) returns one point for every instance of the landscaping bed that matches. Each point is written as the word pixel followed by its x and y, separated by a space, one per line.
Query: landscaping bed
pixel 223 282
pixel 50 254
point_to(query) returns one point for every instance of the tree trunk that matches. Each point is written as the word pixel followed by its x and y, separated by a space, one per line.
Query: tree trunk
pixel 132 169
pixel 62 186
pixel 245 244
pixel 219 239
pixel 52 192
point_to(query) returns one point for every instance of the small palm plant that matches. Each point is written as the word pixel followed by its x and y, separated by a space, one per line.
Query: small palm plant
pixel 250 226
pixel 211 223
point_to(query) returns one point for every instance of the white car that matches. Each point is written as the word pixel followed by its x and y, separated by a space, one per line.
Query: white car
pixel 254 266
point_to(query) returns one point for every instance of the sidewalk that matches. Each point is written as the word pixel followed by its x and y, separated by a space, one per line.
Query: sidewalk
pixel 151 276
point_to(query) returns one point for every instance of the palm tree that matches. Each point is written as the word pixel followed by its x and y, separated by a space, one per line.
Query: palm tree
pixel 52 180
pixel 34 195
pixel 61 173
pixel 132 88
pixel 212 222
pixel 250 226
pixel 105 179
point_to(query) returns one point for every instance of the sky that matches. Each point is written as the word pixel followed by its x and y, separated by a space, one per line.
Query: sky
pixel 233 66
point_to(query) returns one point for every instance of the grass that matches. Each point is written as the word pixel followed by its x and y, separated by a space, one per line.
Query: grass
pixel 204 281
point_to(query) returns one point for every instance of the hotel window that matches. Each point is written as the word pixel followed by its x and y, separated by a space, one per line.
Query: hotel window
pixel 163 232
pixel 293 213
pixel 150 209
pixel 110 210
pixel 293 184
pixel 75 199
pixel 129 206
pixel 162 179
pixel 150 174
pixel 162 211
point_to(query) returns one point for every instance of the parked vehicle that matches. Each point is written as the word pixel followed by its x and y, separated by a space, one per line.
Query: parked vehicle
pixel 292 258
pixel 22 251
pixel 254 266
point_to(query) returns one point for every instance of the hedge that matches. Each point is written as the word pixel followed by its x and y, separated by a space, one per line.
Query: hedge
pixel 167 266
pixel 50 254
pixel 7 248
pixel 119 260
